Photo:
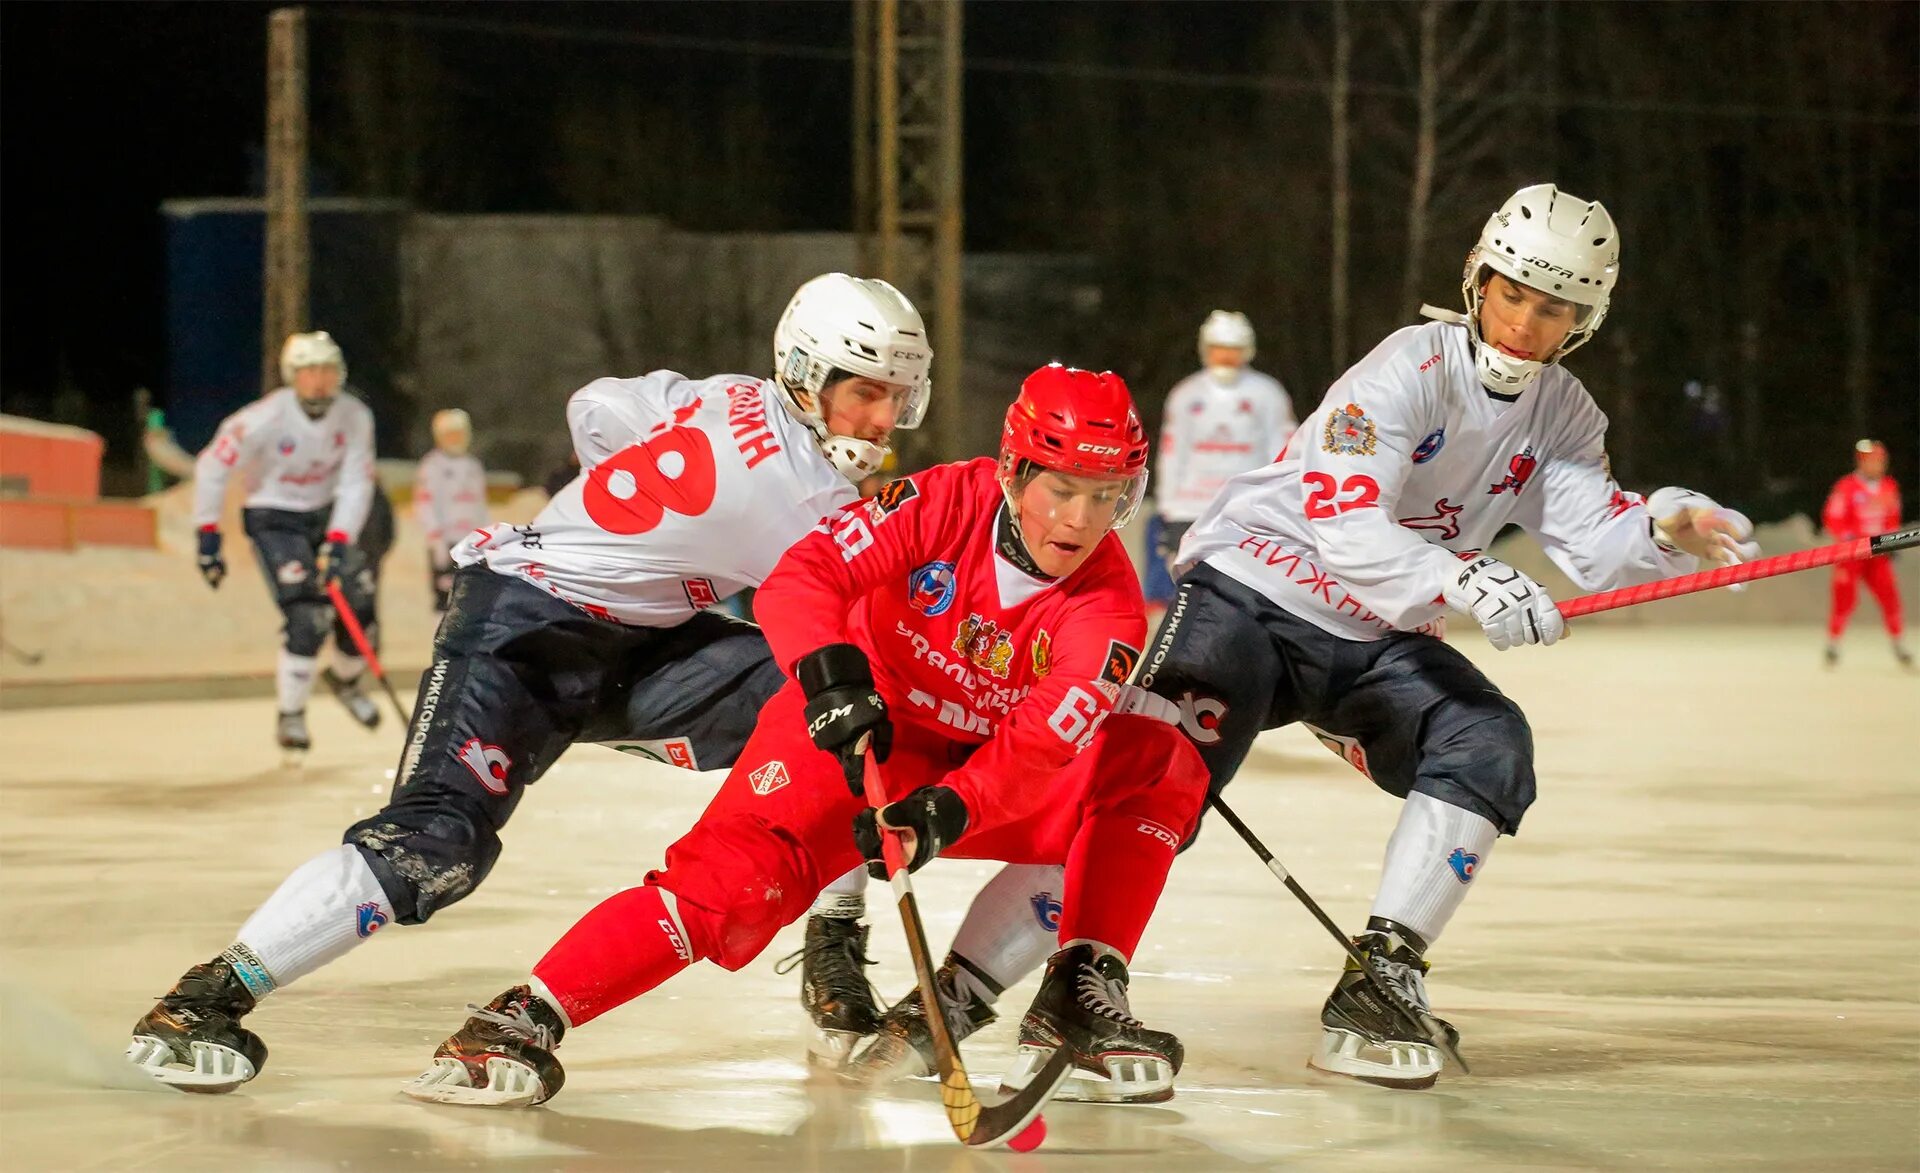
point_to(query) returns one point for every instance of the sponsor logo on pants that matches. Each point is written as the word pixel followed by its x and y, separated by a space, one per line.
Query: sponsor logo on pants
pixel 368 919
pixel 674 939
pixel 488 763
pixel 1151 828
pixel 1464 863
pixel 769 778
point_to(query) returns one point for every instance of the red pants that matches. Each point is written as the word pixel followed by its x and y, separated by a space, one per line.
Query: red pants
pixel 1846 587
pixel 781 829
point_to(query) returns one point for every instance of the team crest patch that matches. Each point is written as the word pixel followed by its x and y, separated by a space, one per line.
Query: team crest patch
pixel 1122 659
pixel 1349 432
pixel 892 496
pixel 1464 863
pixel 1430 447
pixel 489 764
pixel 982 642
pixel 931 588
pixel 286 445
pixel 769 778
pixel 291 573
pixel 1042 655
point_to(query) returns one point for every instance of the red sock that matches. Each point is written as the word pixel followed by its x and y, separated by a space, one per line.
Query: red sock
pixel 1115 869
pixel 628 944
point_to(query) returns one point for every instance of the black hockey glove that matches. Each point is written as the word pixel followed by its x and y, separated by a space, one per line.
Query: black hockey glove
pixel 843 707
pixel 935 815
pixel 336 550
pixel 213 568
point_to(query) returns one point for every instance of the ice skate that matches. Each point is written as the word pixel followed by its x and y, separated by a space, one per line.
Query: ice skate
pixel 502 1057
pixel 354 697
pixel 193 1039
pixel 291 732
pixel 902 1048
pixel 834 988
pixel 1363 1038
pixel 1082 1004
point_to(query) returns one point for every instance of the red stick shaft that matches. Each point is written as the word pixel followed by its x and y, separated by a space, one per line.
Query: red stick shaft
pixel 1706 580
pixel 353 629
pixel 896 859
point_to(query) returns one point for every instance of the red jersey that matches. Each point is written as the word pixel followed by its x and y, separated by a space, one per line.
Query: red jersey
pixel 1858 508
pixel 963 640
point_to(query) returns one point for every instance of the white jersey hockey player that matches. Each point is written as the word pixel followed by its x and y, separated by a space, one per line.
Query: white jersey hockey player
pixel 593 623
pixel 1219 422
pixel 1308 589
pixel 449 496
pixel 305 454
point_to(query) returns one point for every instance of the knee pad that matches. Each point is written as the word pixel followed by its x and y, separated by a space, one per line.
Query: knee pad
pixel 1478 755
pixel 739 881
pixel 426 857
pixel 306 628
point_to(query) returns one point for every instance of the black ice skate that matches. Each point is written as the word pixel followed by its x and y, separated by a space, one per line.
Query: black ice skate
pixel 193 1039
pixel 502 1057
pixel 834 988
pixel 354 697
pixel 903 1046
pixel 1362 1037
pixel 1082 1004
pixel 291 732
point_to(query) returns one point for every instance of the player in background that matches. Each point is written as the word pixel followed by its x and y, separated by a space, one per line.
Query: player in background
pixel 982 690
pixel 1311 590
pixel 1219 422
pixel 1863 503
pixel 592 623
pixel 305 452
pixel 449 496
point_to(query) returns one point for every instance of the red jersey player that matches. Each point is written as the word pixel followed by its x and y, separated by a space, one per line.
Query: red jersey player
pixel 1863 503
pixel 976 623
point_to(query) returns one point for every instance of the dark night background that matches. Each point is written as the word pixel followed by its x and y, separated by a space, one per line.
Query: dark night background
pixel 1762 159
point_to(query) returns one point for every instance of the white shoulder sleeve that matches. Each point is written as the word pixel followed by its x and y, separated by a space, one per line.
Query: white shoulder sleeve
pixel 353 495
pixel 237 440
pixel 609 414
pixel 1598 534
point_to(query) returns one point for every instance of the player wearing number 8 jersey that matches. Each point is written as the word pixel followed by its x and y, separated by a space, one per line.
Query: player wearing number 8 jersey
pixel 590 624
pixel 974 624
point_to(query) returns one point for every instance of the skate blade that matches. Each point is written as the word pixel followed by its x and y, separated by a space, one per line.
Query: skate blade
pixel 509 1085
pixel 216 1069
pixel 829 1050
pixel 1128 1077
pixel 292 758
pixel 1396 1064
pixel 887 1058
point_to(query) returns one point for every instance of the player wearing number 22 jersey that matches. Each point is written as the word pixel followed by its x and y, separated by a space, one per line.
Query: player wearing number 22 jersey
pixel 975 624
pixel 589 624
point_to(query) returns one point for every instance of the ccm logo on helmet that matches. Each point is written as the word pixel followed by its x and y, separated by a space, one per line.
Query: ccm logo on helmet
pixel 1099 449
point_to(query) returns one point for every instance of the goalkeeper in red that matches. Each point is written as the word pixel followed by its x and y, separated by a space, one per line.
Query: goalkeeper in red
pixel 975 622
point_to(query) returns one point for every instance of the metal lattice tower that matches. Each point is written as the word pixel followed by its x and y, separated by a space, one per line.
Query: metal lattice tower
pixel 907 179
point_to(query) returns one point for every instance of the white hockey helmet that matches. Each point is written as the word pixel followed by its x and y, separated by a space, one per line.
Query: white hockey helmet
pixel 452 419
pixel 837 326
pixel 317 349
pixel 1226 328
pixel 1556 243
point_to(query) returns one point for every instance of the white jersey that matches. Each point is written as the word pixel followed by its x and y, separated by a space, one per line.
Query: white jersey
pixel 1212 432
pixel 1408 466
pixel 291 461
pixel 449 498
pixel 689 491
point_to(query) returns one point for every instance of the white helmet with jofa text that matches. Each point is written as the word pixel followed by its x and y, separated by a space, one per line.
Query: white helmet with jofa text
pixel 838 326
pixel 317 349
pixel 1556 243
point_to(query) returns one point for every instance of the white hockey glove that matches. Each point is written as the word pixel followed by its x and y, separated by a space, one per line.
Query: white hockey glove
pixel 1694 523
pixel 1512 608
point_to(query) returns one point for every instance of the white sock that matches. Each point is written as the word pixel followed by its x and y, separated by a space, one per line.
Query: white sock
pixel 328 905
pixel 1011 929
pixel 347 668
pixel 1435 854
pixel 294 681
pixel 846 897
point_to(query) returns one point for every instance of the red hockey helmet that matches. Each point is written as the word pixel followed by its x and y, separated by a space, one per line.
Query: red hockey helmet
pixel 1080 423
